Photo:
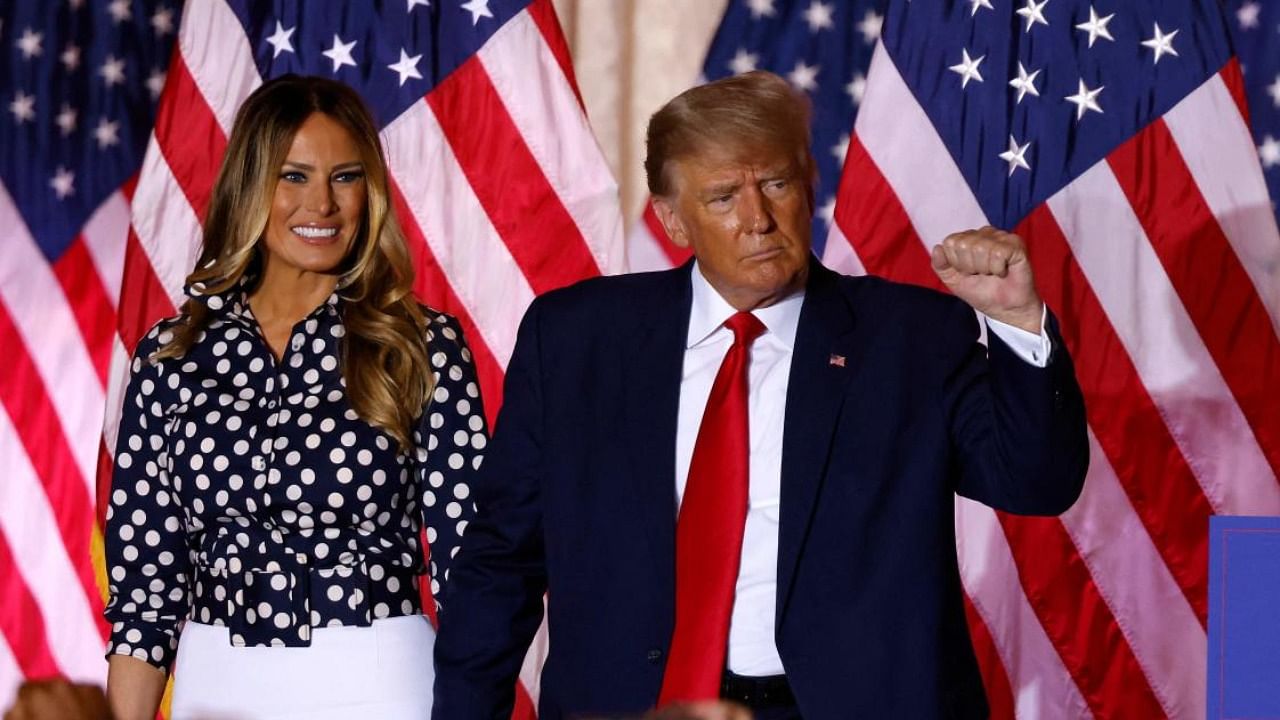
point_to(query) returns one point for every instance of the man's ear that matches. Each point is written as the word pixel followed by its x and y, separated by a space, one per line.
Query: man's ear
pixel 666 211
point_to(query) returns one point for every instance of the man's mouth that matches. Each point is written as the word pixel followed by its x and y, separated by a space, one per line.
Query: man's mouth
pixel 766 254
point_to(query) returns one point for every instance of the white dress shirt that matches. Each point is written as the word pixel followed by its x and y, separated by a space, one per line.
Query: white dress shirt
pixel 752 650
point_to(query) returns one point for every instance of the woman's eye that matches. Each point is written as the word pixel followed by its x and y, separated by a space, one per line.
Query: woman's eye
pixel 348 177
pixel 293 176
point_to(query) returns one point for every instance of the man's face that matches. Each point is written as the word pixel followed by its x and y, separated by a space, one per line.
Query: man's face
pixel 746 216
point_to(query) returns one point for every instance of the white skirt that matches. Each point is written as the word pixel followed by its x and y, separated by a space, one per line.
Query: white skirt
pixel 381 671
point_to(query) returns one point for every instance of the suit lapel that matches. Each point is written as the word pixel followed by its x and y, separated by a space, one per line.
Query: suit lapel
pixel 823 361
pixel 653 358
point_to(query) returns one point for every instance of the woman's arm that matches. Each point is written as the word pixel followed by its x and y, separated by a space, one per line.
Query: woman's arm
pixel 147 554
pixel 134 688
pixel 451 438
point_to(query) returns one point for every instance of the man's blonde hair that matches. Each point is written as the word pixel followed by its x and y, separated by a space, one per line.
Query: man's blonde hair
pixel 742 114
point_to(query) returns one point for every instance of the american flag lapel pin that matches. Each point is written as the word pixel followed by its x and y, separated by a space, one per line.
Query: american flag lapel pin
pixel 836 360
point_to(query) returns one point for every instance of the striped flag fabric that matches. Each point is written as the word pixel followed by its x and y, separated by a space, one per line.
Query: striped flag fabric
pixel 79 95
pixel 1112 136
pixel 498 183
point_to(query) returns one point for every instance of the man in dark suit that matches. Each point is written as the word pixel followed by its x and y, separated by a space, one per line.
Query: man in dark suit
pixel 736 478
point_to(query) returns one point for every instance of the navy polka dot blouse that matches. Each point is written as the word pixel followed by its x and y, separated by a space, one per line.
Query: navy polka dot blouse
pixel 247 493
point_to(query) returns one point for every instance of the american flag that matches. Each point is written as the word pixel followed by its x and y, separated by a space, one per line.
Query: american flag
pixel 117 118
pixel 1112 135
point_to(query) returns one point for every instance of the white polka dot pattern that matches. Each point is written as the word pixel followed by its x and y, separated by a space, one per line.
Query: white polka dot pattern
pixel 247 492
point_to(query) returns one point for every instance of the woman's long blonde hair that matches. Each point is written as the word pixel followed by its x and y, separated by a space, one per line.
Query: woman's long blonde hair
pixel 384 351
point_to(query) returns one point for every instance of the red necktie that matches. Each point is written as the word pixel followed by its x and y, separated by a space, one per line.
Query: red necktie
pixel 709 530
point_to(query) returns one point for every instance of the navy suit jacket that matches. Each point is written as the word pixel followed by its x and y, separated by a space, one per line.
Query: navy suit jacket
pixel 577 498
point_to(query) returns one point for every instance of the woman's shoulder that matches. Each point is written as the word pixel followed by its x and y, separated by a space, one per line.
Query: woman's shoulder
pixel 444 333
pixel 441 324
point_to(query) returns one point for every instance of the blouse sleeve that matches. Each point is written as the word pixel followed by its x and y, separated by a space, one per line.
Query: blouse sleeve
pixel 450 438
pixel 148 563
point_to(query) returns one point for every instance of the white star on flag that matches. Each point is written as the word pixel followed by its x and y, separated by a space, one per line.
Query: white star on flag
pixel 29 43
pixel 162 21
pixel 743 62
pixel 1269 152
pixel 1097 26
pixel 968 69
pixel 856 88
pixel 827 211
pixel 1247 15
pixel 279 40
pixel 818 15
pixel 1033 13
pixel 66 120
pixel 415 3
pixel 1024 83
pixel 106 133
pixel 112 70
pixel 1161 43
pixel 23 107
pixel 870 27
pixel 119 10
pixel 975 4
pixel 804 77
pixel 478 9
pixel 841 148
pixel 340 53
pixel 63 183
pixel 70 58
pixel 1085 100
pixel 155 83
pixel 1016 156
pixel 1274 91
pixel 761 8
pixel 407 67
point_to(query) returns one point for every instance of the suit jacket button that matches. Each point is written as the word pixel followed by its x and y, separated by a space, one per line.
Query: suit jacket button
pixel 654 655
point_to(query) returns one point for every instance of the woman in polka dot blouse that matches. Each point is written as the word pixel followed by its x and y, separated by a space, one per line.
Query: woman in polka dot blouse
pixel 285 439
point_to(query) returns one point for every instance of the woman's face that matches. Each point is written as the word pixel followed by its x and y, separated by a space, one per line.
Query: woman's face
pixel 319 200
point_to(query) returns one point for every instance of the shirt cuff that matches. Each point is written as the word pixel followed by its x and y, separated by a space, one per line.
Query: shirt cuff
pixel 1032 348
pixel 147 642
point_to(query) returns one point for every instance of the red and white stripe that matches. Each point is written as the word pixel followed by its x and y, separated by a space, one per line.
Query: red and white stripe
pixel 51 392
pixel 56 325
pixel 1172 322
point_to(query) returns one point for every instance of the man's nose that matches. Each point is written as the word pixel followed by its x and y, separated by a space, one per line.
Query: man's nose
pixel 755 213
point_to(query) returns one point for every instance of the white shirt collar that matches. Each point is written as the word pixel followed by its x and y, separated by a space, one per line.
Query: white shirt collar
pixel 709 311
